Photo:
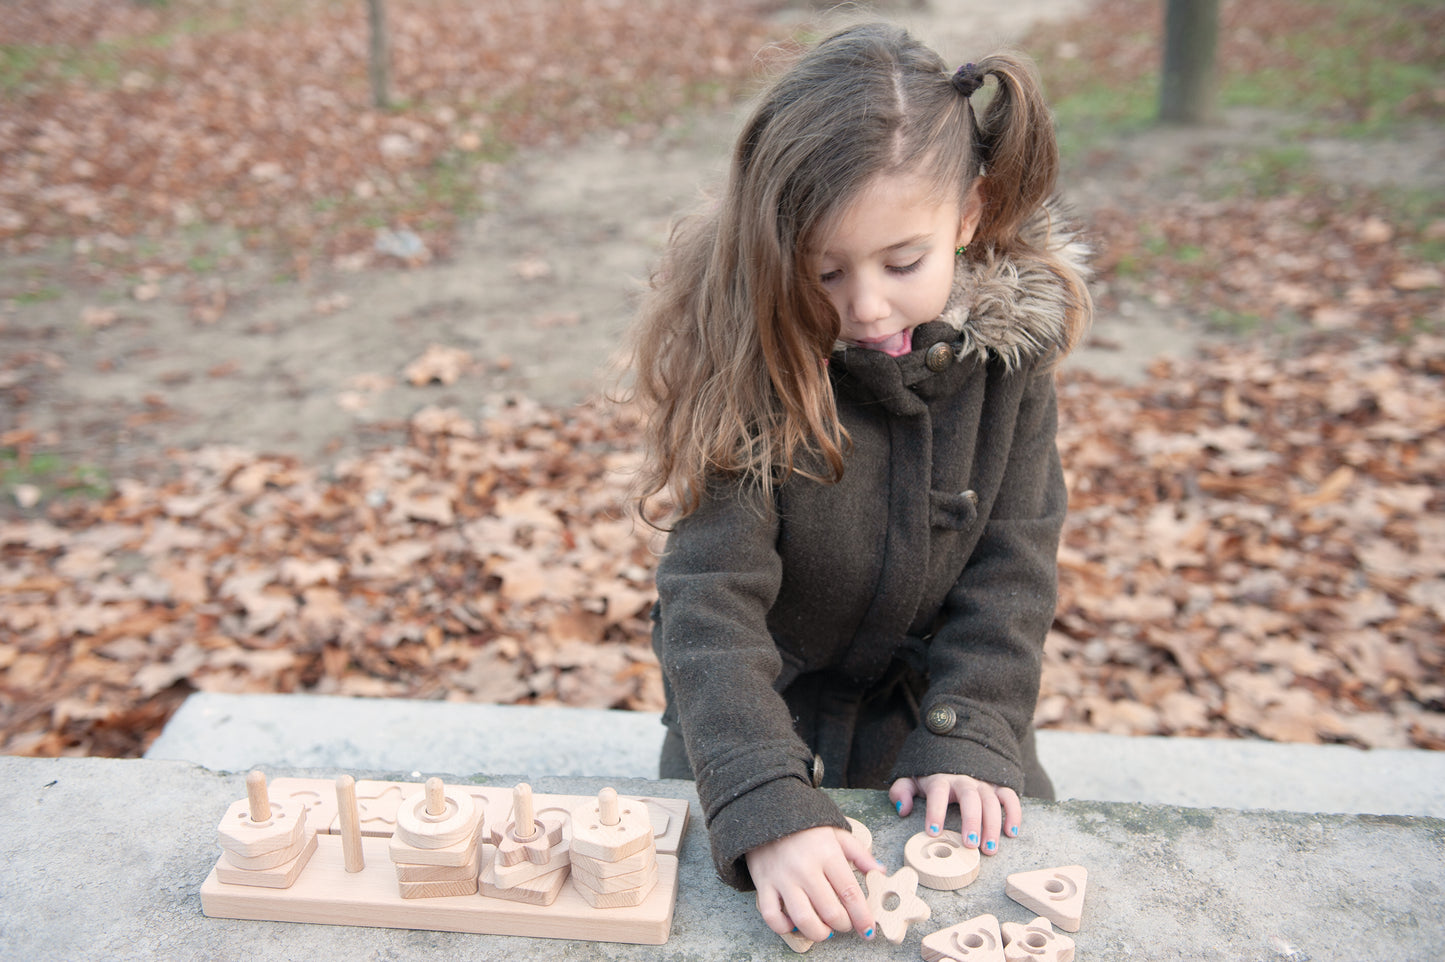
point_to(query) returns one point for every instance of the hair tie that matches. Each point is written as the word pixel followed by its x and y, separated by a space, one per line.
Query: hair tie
pixel 967 79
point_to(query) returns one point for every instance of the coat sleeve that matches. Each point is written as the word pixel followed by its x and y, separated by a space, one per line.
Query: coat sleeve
pixel 985 658
pixel 716 582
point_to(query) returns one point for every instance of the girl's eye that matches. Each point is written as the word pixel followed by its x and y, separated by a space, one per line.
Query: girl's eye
pixel 830 276
pixel 907 268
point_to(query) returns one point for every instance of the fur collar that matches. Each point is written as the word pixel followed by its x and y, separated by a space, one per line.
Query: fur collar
pixel 1012 307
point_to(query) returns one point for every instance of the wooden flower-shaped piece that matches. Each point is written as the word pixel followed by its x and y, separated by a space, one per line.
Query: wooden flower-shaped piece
pixel 895 902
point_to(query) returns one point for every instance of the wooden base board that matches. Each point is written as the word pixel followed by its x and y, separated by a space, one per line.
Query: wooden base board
pixel 326 893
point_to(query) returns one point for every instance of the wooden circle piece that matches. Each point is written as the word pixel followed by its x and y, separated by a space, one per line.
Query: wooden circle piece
pixel 942 861
pixel 419 828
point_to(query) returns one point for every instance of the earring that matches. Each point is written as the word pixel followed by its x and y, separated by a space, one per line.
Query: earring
pixel 960 250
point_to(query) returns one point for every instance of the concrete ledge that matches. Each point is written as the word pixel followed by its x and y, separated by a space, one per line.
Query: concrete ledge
pixel 105 859
pixel 239 732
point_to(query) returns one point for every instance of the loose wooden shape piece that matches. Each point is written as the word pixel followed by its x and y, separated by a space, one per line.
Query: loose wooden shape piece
pixel 942 861
pixel 349 814
pixel 977 940
pixel 1035 942
pixel 895 903
pixel 1055 893
pixel 861 833
pixel 609 829
pixel 798 942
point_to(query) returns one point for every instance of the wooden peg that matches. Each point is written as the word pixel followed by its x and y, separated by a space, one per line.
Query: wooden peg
pixel 524 819
pixel 436 797
pixel 607 812
pixel 1055 893
pixel 350 814
pixel 256 795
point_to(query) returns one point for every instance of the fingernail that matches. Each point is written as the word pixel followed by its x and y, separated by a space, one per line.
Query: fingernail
pixel 830 935
pixel 972 839
pixel 898 806
pixel 990 846
pixel 868 934
pixel 1013 830
pixel 933 830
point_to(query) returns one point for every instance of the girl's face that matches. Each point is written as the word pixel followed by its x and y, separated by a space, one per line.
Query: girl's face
pixel 887 264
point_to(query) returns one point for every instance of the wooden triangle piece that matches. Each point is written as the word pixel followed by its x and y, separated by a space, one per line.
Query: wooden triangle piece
pixel 1055 893
pixel 977 940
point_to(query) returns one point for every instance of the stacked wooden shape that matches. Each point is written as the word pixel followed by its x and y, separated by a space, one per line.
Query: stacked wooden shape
pixel 263 842
pixel 614 858
pixel 532 857
pixel 437 846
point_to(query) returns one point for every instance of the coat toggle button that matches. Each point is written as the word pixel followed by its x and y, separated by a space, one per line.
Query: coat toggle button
pixel 939 357
pixel 941 719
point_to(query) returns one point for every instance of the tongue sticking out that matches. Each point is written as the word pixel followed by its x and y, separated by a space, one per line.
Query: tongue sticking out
pixel 896 345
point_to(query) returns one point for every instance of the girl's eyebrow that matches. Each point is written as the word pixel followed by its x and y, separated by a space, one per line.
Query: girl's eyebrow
pixel 917 240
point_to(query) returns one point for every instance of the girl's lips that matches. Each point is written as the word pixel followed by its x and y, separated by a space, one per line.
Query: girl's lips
pixel 894 345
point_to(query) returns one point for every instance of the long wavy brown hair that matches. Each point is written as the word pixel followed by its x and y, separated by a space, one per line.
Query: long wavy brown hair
pixel 730 344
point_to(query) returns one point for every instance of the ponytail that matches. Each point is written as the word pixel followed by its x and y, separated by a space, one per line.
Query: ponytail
pixel 1014 141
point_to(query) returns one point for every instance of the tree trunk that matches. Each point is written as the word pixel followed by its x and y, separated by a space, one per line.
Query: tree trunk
pixel 380 68
pixel 1191 35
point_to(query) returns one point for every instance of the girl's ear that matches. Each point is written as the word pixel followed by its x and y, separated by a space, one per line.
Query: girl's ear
pixel 970 214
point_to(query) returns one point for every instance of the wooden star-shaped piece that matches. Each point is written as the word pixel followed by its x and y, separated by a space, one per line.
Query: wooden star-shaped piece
pixel 895 902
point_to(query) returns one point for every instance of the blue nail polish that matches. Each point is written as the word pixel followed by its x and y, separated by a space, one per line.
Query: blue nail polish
pixel 990 846
pixel 1013 830
pixel 933 830
pixel 868 934
pixel 898 805
pixel 972 839
pixel 830 935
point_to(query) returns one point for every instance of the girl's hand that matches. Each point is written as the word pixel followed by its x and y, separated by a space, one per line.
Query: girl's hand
pixel 806 881
pixel 984 807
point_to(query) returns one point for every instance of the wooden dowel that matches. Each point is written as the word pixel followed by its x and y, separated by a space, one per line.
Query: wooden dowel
pixel 256 794
pixel 350 813
pixel 607 806
pixel 436 798
pixel 524 818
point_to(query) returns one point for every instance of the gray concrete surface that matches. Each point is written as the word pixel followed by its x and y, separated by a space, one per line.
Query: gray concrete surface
pixel 105 859
pixel 238 732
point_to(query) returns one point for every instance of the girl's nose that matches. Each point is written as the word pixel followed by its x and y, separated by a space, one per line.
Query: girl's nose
pixel 867 305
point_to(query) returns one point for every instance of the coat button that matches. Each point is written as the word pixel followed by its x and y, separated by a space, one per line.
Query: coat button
pixel 941 719
pixel 939 357
pixel 817 771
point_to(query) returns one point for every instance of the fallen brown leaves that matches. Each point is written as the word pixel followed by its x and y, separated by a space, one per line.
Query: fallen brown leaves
pixel 127 119
pixel 1256 547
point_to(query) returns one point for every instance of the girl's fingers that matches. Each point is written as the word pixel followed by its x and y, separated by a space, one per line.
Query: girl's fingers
pixel 1013 812
pixel 971 810
pixel 770 907
pixel 857 854
pixel 935 802
pixel 858 917
pixel 901 794
pixel 991 818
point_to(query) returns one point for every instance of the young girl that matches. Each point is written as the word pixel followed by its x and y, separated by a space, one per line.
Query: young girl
pixel 848 371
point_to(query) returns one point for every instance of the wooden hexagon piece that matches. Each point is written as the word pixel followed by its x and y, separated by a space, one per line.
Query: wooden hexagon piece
pixel 610 829
pixel 241 835
pixel 895 902
pixel 281 876
pixel 1035 942
pixel 626 898
pixel 977 940
pixel 942 861
pixel 1055 893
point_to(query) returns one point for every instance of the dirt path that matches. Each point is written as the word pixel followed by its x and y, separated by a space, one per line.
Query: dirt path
pixel 537 293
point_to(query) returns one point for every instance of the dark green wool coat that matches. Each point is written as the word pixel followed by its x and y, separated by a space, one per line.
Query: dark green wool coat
pixel 804 641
